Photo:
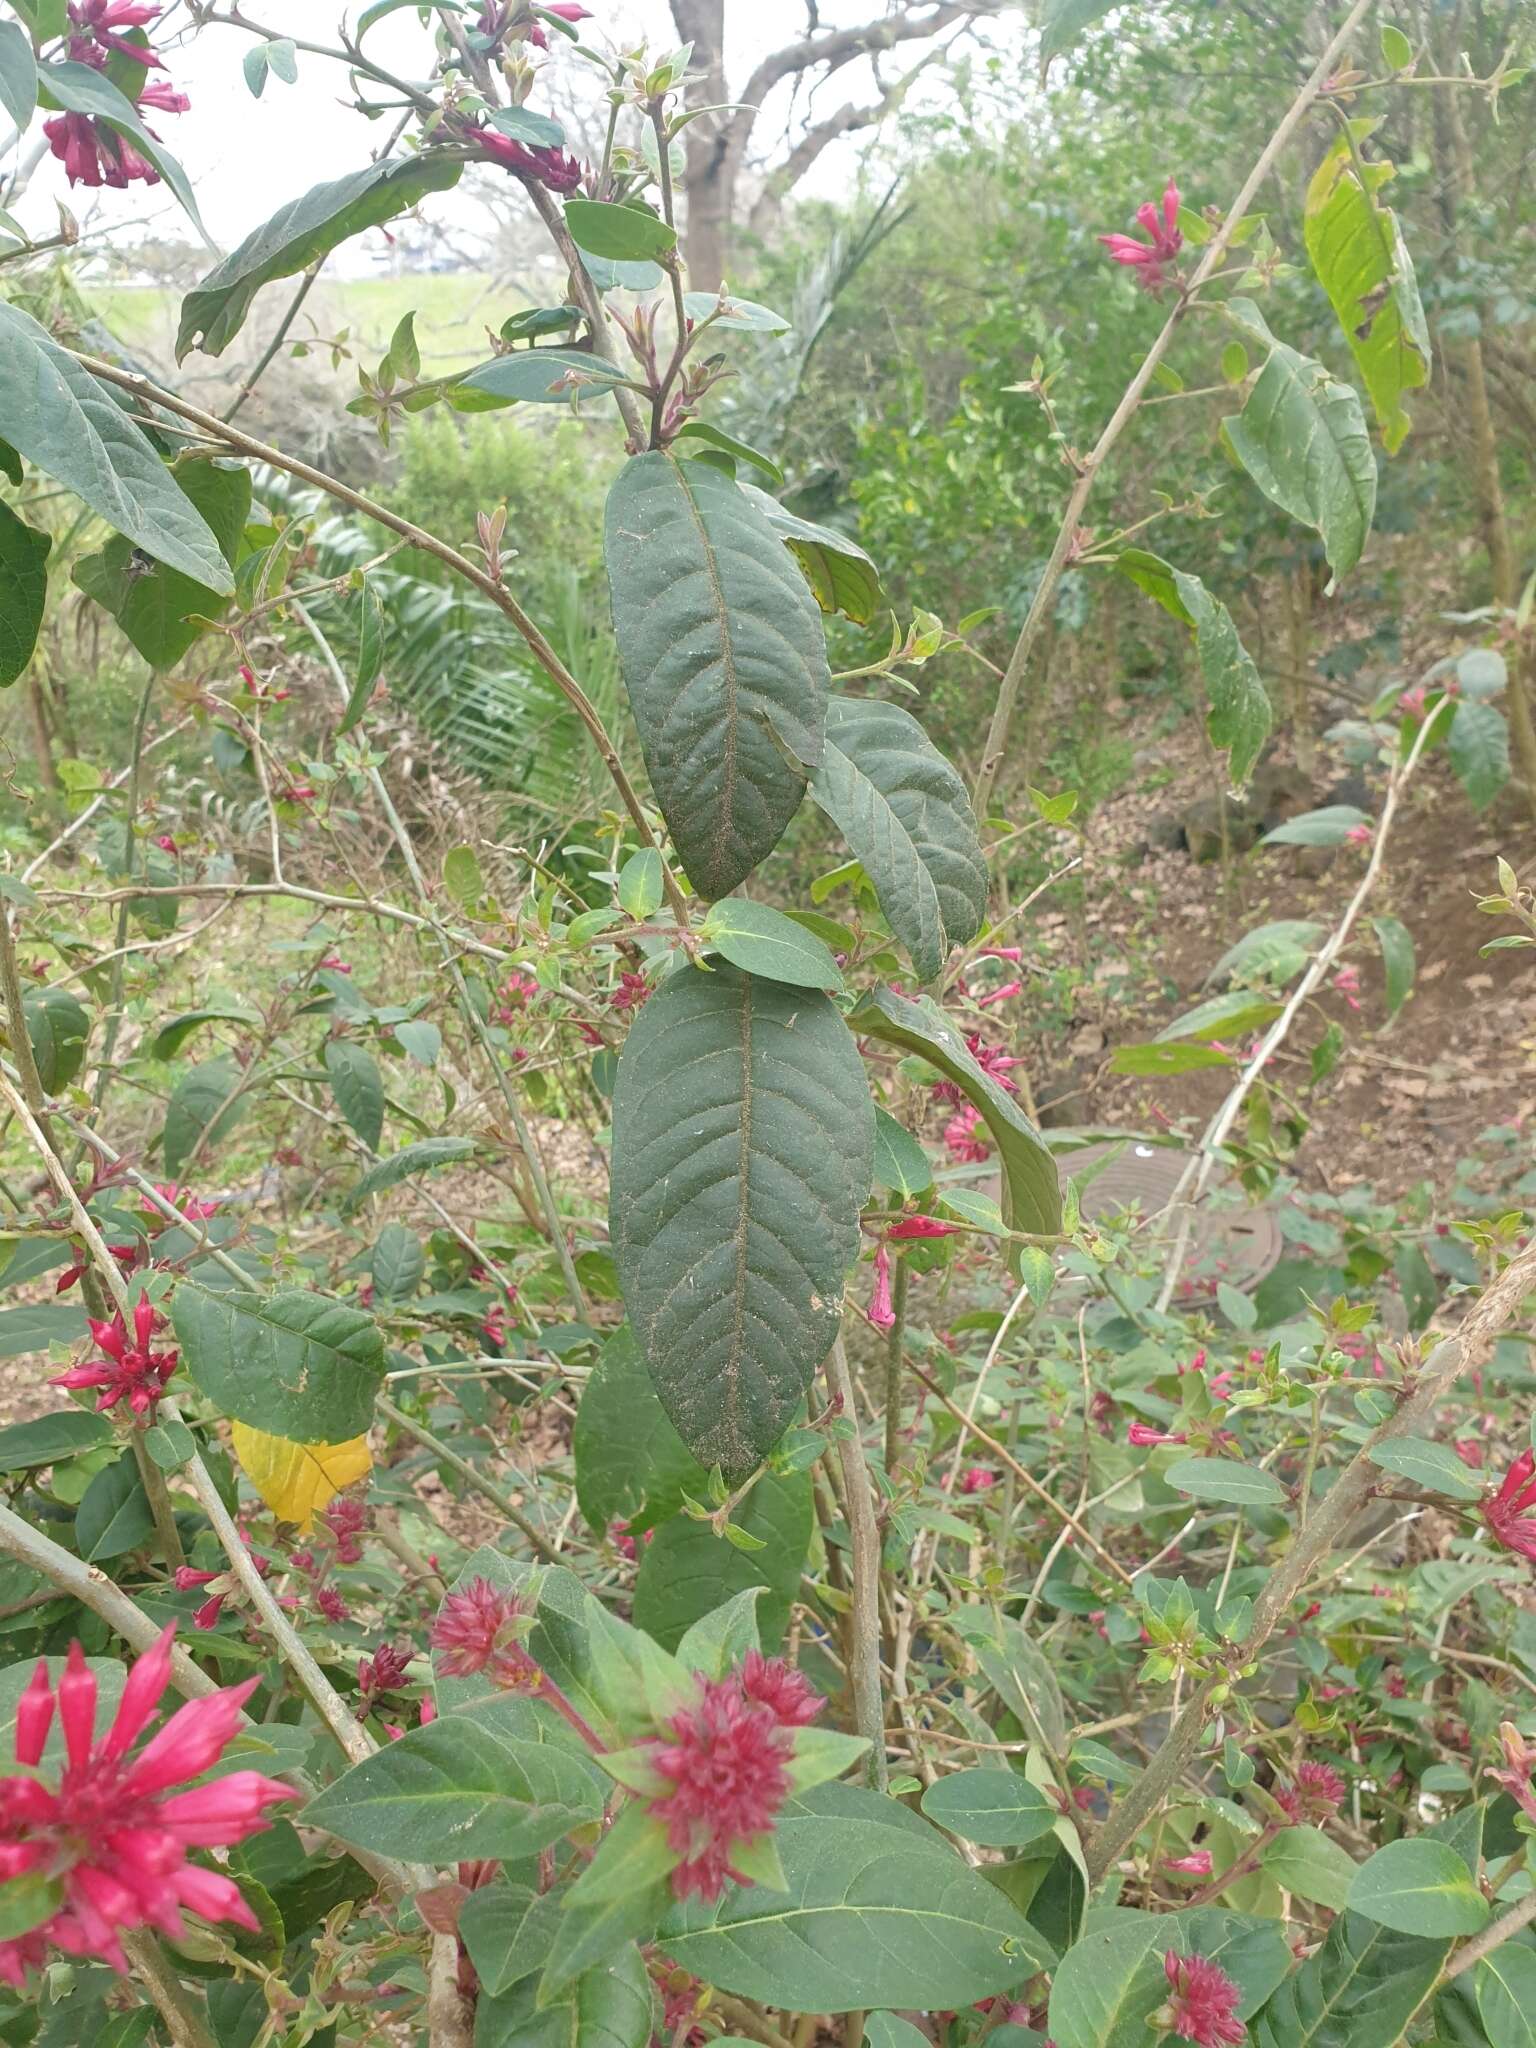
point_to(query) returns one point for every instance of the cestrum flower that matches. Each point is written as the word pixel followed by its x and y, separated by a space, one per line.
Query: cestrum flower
pixel 1511 1514
pixel 111 1831
pixel 129 1370
pixel 1203 2004
pixel 1152 259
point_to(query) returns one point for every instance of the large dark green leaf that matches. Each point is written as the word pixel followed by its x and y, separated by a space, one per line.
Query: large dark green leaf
pixel 1359 1990
pixel 292 1364
pixel 1107 1985
pixel 80 90
pixel 297 235
pixel 358 1087
pixel 204 1104
pixel 687 1571
pixel 1362 263
pixel 58 416
pixel 724 660
pixel 841 575
pixel 457 1790
pixel 631 1464
pixel 880 1912
pixel 1302 437
pixel 906 817
pixel 65 1433
pixel 742 1154
pixel 1031 1192
pixel 58 1028
pixel 1419 1886
pixel 1239 718
pixel 608 2006
pixel 153 607
pixel 23 589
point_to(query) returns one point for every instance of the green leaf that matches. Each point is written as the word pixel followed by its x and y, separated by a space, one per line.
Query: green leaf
pixel 630 1461
pixel 760 940
pixel 380 8
pixel 49 1438
pixel 608 2006
pixel 1357 250
pixel 171 1036
pixel 284 59
pixel 640 884
pixel 254 65
pixel 1239 718
pixel 842 577
pixel 727 444
pixel 1062 23
pixel 1025 1681
pixel 36 1325
pixel 1479 749
pixel 201 1108
pixel 80 90
pixel 27 1901
pixel 621 234
pixel 292 1364
pixel 18 75
pixel 1031 1192
pixel 1228 1016
pixel 1419 1886
pixel 742 1153
pixel 686 1571
pixel 59 417
pixel 889 2030
pixel 358 1087
pixel 1330 826
pixel 905 815
pixel 1158 1059
pixel 1226 1481
pixel 58 1027
pixel 901 1164
pixel 1360 1989
pixel 508 1931
pixel 1430 1465
pixel 1307 1862
pixel 1302 437
pixel 45 18
pixel 1396 50
pixel 1108 1984
pixel 998 1808
pixel 23 584
pixel 458 1790
pixel 743 316
pixel 1271 952
pixel 724 661
pixel 425 1156
pixel 1397 959
pixel 152 608
pixel 541 376
pixel 398 1263
pixel 372 636
pixel 1504 1985
pixel 298 235
pixel 880 1911
pixel 115 1515
pixel 522 124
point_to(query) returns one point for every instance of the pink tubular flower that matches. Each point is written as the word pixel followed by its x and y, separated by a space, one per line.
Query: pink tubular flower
pixel 921 1226
pixel 1471 1452
pixel 977 1479
pixel 1359 835
pixel 1203 2007
pixel 1151 259
pixel 385 1671
pixel 183 1199
pixel 130 1371
pixel 726 1764
pixel 1198 1863
pixel 960 1136
pixel 999 995
pixel 1511 1513
pixel 1143 1435
pixel 105 1830
pixel 1519 1762
pixel 346 1522
pixel 773 1683
pixel 164 96
pixel 880 1311
pixel 126 1255
pixel 630 993
pixel 94 154
pixel 481 1629
pixel 1315 1794
pixel 98 26
pixel 546 166
pixel 1347 982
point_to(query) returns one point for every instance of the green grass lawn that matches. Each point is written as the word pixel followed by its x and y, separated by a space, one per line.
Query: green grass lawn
pixel 452 314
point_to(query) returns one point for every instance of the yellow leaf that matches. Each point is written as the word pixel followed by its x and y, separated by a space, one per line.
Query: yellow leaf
pixel 295 1480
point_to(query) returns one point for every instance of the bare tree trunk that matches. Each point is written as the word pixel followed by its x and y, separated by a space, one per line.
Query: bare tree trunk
pixel 712 146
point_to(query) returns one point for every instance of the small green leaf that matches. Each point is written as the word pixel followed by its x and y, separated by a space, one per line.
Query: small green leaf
pixel 1478 745
pixel 358 1087
pixel 1397 959
pixel 462 877
pixel 1427 1464
pixel 622 234
pixel 425 1156
pixel 640 884
pixel 1157 1059
pixel 59 1029
pixel 760 940
pixel 115 1515
pixel 1330 826
pixel 541 376
pixel 1226 1481
pixel 998 1808
pixel 1305 1861
pixel 1396 50
pixel 901 1164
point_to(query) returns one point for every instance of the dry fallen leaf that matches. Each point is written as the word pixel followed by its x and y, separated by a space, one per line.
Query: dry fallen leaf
pixel 297 1480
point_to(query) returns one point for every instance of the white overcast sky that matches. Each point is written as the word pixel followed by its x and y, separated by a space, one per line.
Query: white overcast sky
pixel 245 157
